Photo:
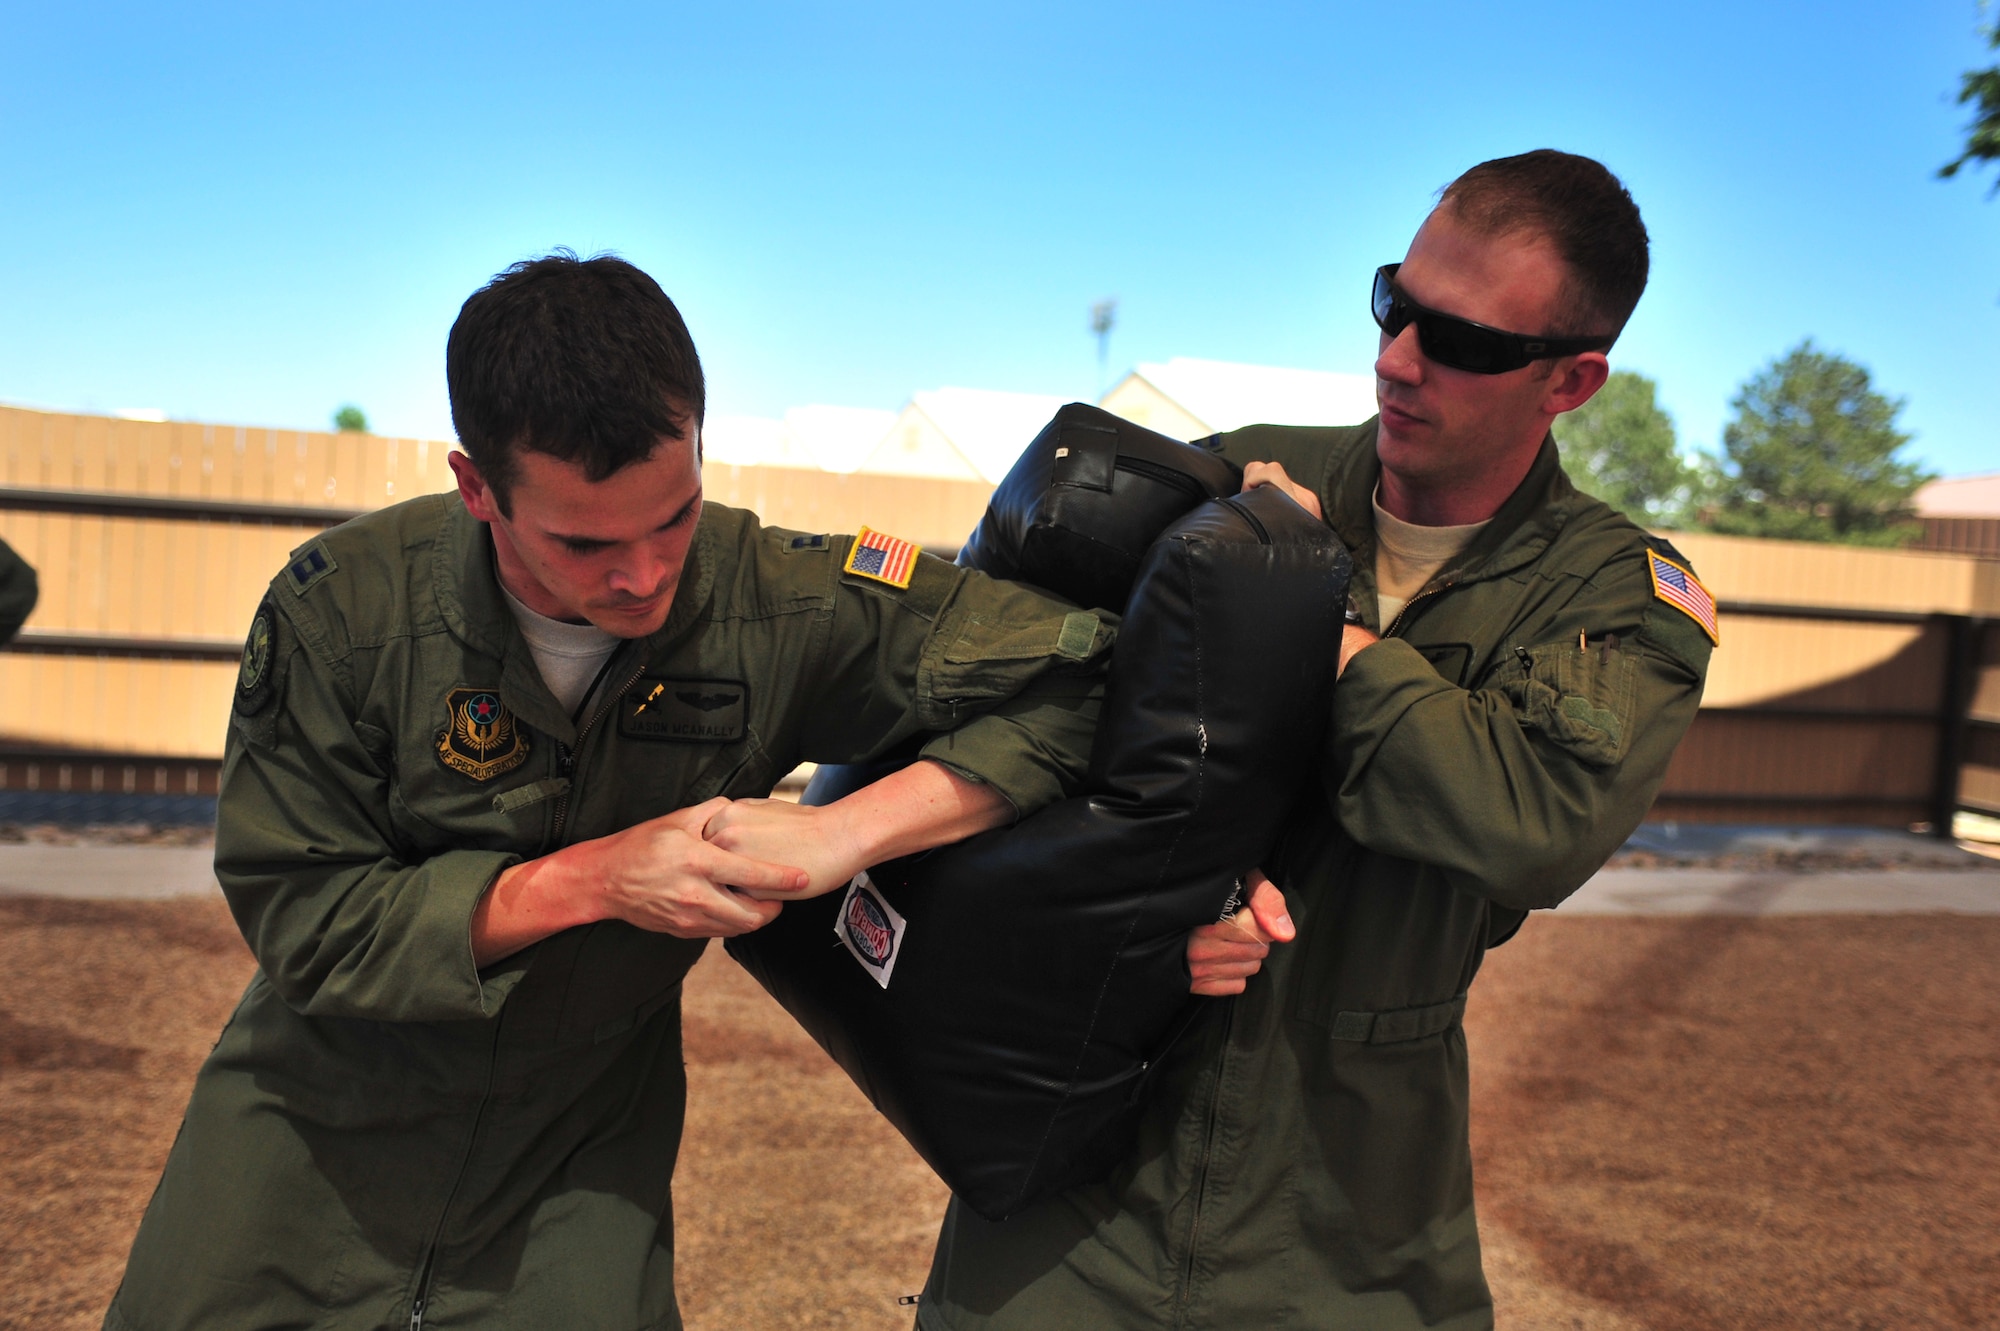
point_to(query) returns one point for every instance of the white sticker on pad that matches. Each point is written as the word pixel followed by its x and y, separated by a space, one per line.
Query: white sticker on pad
pixel 870 928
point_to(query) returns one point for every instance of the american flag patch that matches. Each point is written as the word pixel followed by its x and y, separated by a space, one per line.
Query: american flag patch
pixel 889 559
pixel 1682 590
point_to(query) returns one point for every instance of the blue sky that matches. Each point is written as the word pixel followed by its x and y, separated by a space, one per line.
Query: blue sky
pixel 254 214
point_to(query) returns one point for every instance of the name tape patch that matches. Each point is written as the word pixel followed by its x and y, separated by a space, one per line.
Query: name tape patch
pixel 870 928
pixel 685 711
pixel 884 558
pixel 1682 590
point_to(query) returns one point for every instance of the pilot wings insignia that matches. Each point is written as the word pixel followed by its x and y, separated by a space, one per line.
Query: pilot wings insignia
pixel 708 702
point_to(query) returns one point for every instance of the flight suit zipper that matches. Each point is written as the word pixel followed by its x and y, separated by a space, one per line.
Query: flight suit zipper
pixel 1185 1294
pixel 1423 595
pixel 566 765
pixel 427 1270
pixel 567 754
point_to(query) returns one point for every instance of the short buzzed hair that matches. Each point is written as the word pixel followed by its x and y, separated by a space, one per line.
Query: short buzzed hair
pixel 1584 211
pixel 585 360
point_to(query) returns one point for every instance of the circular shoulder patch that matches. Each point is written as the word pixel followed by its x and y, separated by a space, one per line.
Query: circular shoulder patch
pixel 253 681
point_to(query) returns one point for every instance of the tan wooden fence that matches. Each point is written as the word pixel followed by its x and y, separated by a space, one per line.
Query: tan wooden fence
pixel 154 542
pixel 1852 685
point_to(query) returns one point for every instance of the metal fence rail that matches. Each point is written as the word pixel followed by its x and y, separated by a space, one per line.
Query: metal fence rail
pixel 105 504
pixel 121 686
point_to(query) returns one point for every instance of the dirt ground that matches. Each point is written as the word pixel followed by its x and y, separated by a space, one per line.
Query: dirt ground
pixel 1679 1123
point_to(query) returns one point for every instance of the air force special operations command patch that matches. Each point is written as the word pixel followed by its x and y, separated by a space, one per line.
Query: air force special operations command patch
pixel 481 737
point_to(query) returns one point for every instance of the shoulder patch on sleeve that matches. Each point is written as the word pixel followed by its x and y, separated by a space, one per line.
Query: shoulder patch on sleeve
pixel 1680 588
pixel 260 649
pixel 311 563
pixel 882 558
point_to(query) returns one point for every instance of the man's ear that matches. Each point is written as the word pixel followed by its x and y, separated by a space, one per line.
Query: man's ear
pixel 480 501
pixel 1576 382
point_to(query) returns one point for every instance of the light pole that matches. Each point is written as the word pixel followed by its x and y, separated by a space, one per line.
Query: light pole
pixel 1103 317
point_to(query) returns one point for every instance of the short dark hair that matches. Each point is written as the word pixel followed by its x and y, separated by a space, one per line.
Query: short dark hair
pixel 585 360
pixel 1584 211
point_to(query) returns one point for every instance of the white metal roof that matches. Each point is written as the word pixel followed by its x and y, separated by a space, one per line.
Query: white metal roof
pixel 1961 497
pixel 989 427
pixel 818 438
pixel 1227 395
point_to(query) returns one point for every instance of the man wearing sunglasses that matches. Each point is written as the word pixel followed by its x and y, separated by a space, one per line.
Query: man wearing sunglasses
pixel 1519 663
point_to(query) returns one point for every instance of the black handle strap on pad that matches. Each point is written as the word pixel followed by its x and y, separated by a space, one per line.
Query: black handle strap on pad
pixel 1078 510
pixel 1000 1000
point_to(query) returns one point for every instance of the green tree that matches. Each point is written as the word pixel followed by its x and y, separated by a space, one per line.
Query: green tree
pixel 1620 447
pixel 350 417
pixel 1980 87
pixel 1811 456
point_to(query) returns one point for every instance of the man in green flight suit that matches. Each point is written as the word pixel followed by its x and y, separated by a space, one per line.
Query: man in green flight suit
pixel 1519 664
pixel 476 746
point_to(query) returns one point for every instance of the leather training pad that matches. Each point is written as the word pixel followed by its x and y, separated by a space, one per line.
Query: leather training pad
pixel 1038 969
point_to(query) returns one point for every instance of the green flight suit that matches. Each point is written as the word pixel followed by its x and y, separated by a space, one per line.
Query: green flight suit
pixel 19 589
pixel 1306 1162
pixel 384 1130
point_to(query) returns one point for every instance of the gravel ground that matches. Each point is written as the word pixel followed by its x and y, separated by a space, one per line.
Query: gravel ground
pixel 1692 1123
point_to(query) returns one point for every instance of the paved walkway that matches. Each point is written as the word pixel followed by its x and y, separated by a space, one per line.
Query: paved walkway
pixel 173 871
pixel 34 870
pixel 1821 892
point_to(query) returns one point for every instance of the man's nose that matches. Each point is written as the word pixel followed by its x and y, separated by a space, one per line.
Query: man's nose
pixel 640 574
pixel 1402 358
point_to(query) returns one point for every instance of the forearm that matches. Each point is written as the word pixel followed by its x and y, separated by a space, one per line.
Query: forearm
pixel 923 806
pixel 658 875
pixel 915 809
pixel 533 901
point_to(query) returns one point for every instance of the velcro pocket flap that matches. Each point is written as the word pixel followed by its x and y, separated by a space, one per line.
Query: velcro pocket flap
pixel 1582 698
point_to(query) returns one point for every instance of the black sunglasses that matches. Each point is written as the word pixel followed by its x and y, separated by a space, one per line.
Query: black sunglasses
pixel 1461 343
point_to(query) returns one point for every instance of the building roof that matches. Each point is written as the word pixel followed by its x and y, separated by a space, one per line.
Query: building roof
pixel 818 438
pixel 1227 395
pixel 989 427
pixel 1961 497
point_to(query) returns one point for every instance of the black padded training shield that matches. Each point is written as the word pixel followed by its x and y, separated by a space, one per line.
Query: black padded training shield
pixel 1075 515
pixel 1001 1000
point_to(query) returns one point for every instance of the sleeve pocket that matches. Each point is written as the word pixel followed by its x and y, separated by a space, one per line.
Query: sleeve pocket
pixel 1581 700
